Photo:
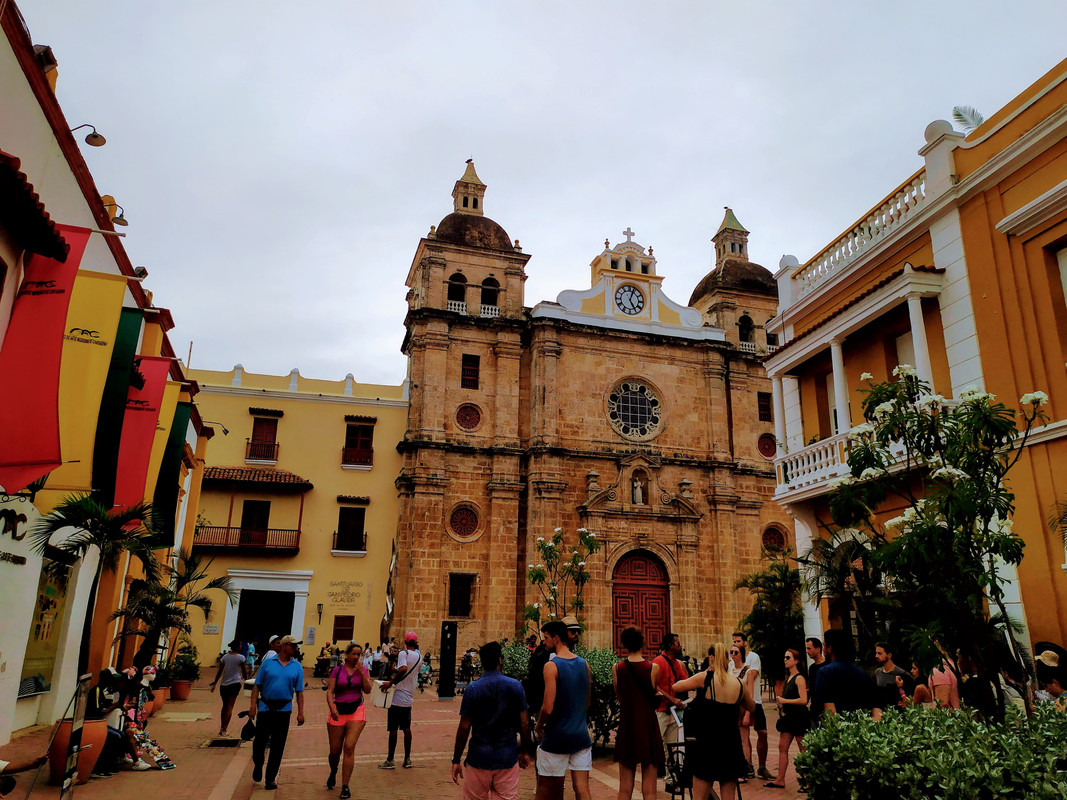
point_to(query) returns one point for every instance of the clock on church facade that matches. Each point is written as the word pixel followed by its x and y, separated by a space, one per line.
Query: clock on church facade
pixel 614 408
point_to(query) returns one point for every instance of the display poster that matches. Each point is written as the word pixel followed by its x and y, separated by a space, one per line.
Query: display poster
pixel 43 642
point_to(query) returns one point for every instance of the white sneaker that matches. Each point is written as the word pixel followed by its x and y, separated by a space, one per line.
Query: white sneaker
pixel 140 765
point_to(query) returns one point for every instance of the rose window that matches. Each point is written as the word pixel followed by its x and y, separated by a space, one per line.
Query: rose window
pixel 468 417
pixel 464 521
pixel 773 539
pixel 767 446
pixel 634 410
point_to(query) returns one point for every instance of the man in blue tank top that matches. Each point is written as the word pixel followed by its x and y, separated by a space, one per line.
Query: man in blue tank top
pixel 563 725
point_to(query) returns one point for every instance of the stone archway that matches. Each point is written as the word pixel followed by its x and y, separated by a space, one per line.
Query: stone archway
pixel 640 597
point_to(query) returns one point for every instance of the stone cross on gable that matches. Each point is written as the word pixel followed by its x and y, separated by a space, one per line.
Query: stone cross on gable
pixel 629 234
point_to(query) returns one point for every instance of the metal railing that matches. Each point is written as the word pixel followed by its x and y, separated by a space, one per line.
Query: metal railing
pixel 261 451
pixel 262 539
pixel 350 541
pixel 357 456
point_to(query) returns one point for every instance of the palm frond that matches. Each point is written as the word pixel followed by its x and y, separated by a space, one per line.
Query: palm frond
pixel 967 117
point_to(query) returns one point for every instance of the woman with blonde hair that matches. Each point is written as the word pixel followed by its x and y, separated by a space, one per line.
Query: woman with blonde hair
pixel 345 687
pixel 716 753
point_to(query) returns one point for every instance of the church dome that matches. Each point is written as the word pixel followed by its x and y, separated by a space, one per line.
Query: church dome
pixel 473 231
pixel 739 275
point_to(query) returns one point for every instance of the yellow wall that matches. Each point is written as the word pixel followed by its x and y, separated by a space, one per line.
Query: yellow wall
pixel 311 435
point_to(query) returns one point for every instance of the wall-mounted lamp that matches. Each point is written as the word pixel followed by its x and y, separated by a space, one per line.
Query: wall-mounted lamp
pixel 120 218
pixel 320 612
pixel 224 431
pixel 93 139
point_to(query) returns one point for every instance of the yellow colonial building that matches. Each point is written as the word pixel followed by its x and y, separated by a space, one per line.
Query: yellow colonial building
pixel 298 505
pixel 960 271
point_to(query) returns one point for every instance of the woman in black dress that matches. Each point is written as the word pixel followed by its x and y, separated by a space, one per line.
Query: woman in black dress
pixel 793 719
pixel 637 740
pixel 716 755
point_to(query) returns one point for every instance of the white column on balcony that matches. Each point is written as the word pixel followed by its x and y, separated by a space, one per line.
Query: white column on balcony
pixel 837 359
pixel 918 339
pixel 806 530
pixel 779 415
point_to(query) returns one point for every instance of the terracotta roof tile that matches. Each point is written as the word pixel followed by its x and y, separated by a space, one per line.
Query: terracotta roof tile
pixel 259 475
pixel 26 213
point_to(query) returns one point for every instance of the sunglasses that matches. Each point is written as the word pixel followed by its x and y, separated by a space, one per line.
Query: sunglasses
pixel 735 652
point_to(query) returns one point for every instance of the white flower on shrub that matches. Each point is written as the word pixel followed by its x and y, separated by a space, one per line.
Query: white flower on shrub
pixel 974 394
pixel 581 563
pixel 540 538
pixel 931 401
pixel 861 431
pixel 1033 399
pixel 950 473
pixel 844 480
pixel 895 523
pixel 866 376
pixel 559 530
pixel 583 530
pixel 884 409
pixel 903 370
pixel 869 474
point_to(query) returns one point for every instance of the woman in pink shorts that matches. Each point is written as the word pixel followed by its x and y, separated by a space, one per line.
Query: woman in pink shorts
pixel 347 684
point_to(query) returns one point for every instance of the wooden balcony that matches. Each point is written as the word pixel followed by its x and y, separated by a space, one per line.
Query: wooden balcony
pixel 271 540
pixel 357 456
pixel 349 542
pixel 261 451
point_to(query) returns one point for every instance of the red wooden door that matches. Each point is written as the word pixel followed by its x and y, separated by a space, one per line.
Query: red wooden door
pixel 640 598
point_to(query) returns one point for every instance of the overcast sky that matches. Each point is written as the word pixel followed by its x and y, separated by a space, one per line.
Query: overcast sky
pixel 278 162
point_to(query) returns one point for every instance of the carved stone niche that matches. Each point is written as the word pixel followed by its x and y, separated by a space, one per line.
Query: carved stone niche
pixel 637 490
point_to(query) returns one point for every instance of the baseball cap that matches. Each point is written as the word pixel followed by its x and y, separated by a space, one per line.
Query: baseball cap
pixel 572 622
pixel 411 636
pixel 272 638
pixel 289 640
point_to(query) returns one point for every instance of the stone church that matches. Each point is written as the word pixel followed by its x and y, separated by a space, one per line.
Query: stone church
pixel 613 408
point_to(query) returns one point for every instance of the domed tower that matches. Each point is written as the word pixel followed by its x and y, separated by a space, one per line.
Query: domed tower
pixel 738 295
pixel 459 486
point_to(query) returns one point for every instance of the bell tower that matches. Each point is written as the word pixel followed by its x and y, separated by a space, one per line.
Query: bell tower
pixel 469 192
pixel 731 240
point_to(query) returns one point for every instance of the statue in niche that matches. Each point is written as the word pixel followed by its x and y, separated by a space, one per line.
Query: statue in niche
pixel 640 488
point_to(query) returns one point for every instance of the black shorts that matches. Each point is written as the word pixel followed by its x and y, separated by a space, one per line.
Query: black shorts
pixel 229 690
pixel 759 718
pixel 398 718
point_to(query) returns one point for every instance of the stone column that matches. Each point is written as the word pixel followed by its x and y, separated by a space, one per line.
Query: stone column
pixel 779 415
pixel 918 339
pixel 805 527
pixel 840 386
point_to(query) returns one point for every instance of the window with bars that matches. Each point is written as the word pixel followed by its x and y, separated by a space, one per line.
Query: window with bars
pixel 460 595
pixel 344 627
pixel 359 445
pixel 350 533
pixel 765 406
pixel 469 371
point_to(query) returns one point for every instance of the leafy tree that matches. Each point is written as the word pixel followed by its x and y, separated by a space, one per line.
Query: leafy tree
pixel 967 117
pixel 559 576
pixel 942 559
pixel 776 620
pixel 112 533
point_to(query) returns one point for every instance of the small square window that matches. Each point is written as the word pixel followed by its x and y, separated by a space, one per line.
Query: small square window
pixel 344 626
pixel 765 406
pixel 772 340
pixel 460 595
pixel 469 372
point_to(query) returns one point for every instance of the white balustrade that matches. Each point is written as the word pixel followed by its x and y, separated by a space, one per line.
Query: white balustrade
pixel 490 311
pixel 877 225
pixel 816 463
pixel 747 347
pixel 459 306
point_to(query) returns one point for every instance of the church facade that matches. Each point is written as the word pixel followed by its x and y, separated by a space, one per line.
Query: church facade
pixel 613 408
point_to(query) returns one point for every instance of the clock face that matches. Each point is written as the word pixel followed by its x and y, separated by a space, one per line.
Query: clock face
pixel 629 300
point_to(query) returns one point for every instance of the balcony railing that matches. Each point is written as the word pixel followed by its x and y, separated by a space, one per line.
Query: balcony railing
pixel 271 539
pixel 261 451
pixel 459 306
pixel 490 311
pixel 880 223
pixel 746 347
pixel 350 541
pixel 357 456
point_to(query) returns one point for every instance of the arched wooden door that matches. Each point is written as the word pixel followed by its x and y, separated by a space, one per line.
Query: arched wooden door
pixel 640 597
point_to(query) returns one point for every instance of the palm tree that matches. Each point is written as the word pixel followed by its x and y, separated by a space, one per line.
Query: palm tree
pixel 112 532
pixel 967 117
pixel 776 620
pixel 187 573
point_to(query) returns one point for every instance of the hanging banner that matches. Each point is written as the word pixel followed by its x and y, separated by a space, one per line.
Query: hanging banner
pixel 92 322
pixel 29 366
pixel 159 443
pixel 165 498
pixel 139 429
pixel 113 405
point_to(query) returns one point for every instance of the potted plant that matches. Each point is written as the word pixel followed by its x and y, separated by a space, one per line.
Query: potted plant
pixel 184 671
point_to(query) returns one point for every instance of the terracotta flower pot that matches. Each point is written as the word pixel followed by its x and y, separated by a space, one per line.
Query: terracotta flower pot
pixel 179 690
pixel 94 732
pixel 162 693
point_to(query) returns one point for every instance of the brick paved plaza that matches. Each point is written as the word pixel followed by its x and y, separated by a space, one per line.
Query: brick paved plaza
pixel 204 773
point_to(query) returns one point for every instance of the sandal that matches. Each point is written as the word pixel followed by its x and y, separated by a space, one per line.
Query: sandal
pixel 773 785
pixel 345 793
pixel 332 780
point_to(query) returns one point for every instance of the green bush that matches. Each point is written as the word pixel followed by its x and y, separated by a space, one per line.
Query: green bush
pixel 516 660
pixel 186 665
pixel 929 754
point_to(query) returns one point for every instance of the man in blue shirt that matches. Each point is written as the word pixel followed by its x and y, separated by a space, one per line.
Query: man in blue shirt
pixel 563 723
pixel 272 699
pixel 841 685
pixel 493 714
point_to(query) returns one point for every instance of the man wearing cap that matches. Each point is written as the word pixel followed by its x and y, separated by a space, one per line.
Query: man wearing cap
pixel 272 698
pixel 574 630
pixel 399 713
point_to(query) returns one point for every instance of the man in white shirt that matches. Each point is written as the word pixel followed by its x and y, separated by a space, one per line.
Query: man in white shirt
pixel 755 719
pixel 399 713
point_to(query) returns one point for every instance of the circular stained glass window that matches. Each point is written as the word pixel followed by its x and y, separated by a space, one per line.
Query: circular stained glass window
pixel 634 410
pixel 464 521
pixel 468 417
pixel 767 446
pixel 773 539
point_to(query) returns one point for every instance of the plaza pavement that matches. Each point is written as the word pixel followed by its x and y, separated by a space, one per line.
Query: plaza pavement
pixel 206 773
